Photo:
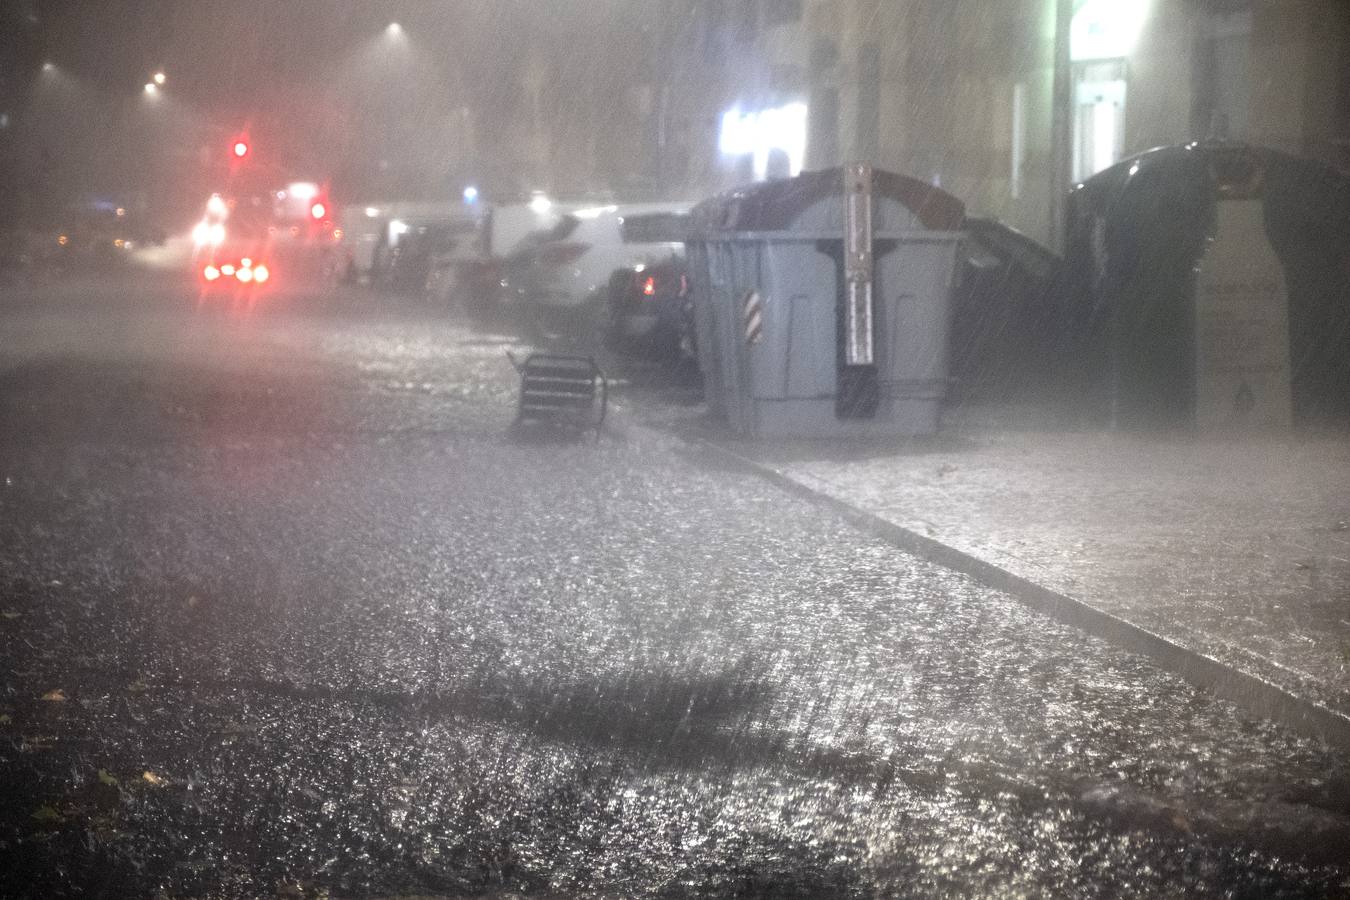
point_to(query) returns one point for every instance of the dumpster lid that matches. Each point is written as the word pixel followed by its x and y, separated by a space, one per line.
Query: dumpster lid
pixel 776 205
pixel 1310 197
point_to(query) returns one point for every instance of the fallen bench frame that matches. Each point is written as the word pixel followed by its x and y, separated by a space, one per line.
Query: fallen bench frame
pixel 559 389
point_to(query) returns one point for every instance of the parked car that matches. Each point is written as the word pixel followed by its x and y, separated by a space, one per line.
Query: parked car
pixel 362 231
pixel 649 311
pixel 561 275
pixel 451 248
pixel 370 234
pixel 648 304
pixel 476 266
pixel 413 247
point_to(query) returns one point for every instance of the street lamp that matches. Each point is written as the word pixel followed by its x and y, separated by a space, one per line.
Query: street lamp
pixel 151 88
pixel 159 79
pixel 394 30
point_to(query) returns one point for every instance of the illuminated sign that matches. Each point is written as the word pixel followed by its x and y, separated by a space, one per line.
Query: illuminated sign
pixel 759 134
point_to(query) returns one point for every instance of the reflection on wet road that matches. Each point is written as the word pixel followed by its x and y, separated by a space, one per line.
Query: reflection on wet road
pixel 287 610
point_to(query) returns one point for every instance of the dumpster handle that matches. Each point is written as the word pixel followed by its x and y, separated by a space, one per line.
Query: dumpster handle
pixel 859 329
pixel 604 402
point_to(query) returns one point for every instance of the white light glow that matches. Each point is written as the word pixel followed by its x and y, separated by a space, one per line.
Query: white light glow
pixel 303 190
pixel 1103 136
pixel 758 134
pixel 470 194
pixel 397 227
pixel 206 233
pixel 216 206
pixel 1107 29
pixel 159 78
pixel 151 88
pixel 371 212
pixel 539 204
pixel 595 212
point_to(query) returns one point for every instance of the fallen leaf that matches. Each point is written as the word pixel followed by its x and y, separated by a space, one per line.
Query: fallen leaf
pixel 56 696
pixel 107 778
pixel 10 614
pixel 5 719
pixel 151 778
pixel 138 686
pixel 46 813
pixel 192 601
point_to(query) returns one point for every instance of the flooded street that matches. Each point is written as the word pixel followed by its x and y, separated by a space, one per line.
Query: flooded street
pixel 289 610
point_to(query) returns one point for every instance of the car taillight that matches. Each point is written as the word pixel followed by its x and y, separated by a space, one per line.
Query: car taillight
pixel 260 274
pixel 649 286
pixel 210 273
pixel 245 275
pixel 227 270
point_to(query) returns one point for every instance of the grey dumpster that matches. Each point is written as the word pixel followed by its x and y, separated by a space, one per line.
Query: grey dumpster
pixel 822 303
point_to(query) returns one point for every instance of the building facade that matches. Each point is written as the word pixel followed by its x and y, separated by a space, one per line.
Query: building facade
pixel 1007 103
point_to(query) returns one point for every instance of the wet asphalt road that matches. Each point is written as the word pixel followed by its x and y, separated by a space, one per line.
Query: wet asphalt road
pixel 288 612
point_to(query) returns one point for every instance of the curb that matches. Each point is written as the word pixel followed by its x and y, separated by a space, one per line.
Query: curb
pixel 1253 694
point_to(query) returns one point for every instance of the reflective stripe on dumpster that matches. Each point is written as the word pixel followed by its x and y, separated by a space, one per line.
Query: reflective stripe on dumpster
pixel 752 313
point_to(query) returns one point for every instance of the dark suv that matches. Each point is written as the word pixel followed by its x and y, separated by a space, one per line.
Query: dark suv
pixel 649 309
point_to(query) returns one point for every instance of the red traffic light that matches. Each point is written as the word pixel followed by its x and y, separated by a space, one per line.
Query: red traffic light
pixel 240 149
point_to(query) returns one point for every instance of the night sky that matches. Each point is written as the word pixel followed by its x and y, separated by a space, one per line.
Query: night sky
pixel 323 89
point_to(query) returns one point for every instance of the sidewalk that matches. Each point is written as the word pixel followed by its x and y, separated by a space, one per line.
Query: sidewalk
pixel 1236 550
